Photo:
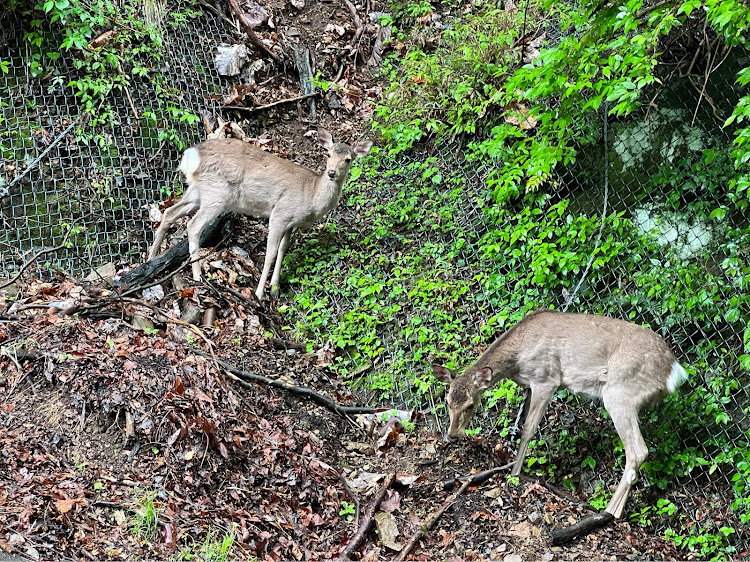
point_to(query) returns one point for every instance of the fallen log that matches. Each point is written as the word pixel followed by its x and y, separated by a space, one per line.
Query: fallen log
pixel 149 272
pixel 583 527
pixel 306 78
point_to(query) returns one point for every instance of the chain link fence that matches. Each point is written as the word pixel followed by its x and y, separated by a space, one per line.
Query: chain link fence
pixel 648 170
pixel 96 192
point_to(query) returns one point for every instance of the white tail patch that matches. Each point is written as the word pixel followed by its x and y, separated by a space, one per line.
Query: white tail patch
pixel 676 377
pixel 190 162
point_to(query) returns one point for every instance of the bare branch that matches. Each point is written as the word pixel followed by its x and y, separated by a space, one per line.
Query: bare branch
pixel 257 43
pixel 368 519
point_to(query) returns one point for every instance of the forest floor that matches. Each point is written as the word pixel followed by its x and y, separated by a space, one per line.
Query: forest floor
pixel 122 436
pixel 118 443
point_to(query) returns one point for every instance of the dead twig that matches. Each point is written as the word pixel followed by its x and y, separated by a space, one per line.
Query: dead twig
pixel 358 31
pixel 167 318
pixel 254 39
pixel 250 301
pixel 482 477
pixel 584 526
pixel 286 385
pixel 645 11
pixel 559 492
pixel 431 520
pixel 369 515
pixel 121 72
pixel 33 164
pixel 352 495
pixel 279 343
pixel 270 105
pixel 129 424
pixel 475 479
pixel 28 262
pixel 714 53
pixel 217 13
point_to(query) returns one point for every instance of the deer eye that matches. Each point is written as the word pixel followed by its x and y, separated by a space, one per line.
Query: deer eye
pixel 348 160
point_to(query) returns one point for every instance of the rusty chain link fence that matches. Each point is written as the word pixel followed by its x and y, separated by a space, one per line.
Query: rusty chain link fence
pixel 658 176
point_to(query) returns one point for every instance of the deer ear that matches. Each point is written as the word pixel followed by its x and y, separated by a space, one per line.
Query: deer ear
pixel 325 138
pixel 483 378
pixel 443 374
pixel 362 148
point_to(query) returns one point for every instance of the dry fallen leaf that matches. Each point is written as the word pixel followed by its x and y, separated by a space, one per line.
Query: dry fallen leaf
pixel 365 481
pixel 334 28
pixel 521 530
pixel 446 538
pixel 495 492
pixel 326 354
pixel 388 530
pixel 519 115
pixel 407 479
pixel 391 502
pixel 64 506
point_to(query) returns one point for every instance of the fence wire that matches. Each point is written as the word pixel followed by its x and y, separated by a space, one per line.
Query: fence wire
pixel 50 180
pixel 99 191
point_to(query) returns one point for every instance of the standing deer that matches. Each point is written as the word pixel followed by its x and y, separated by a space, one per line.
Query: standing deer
pixel 624 365
pixel 229 175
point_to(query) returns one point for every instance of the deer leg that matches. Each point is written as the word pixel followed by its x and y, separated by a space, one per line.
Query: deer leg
pixel 275 237
pixel 185 206
pixel 195 226
pixel 625 418
pixel 276 277
pixel 540 399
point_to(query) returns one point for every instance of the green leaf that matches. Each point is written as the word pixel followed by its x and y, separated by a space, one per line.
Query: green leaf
pixel 732 315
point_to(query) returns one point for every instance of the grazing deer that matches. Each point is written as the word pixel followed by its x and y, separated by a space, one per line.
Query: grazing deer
pixel 229 175
pixel 624 365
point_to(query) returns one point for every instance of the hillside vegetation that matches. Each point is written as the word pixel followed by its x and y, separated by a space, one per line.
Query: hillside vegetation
pixel 499 189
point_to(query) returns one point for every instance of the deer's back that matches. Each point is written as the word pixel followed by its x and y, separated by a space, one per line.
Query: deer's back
pixel 589 352
pixel 249 180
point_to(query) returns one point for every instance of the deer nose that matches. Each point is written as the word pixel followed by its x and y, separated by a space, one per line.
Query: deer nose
pixel 331 174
